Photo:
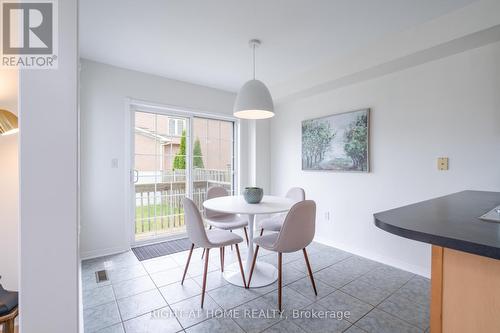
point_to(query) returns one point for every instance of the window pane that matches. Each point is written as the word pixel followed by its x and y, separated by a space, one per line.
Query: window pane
pixel 144 139
pixel 212 156
pixel 171 127
pixel 160 177
pixel 180 127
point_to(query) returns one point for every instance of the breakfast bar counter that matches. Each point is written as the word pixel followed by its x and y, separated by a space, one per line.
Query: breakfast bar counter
pixel 465 277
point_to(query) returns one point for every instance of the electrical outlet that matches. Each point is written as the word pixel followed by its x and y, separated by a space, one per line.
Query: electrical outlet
pixel 327 216
pixel 442 163
pixel 114 163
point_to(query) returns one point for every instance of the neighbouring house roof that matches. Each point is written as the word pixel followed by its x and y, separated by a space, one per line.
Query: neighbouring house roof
pixel 153 135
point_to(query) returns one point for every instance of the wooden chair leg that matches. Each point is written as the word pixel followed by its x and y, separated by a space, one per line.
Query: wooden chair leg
pixel 246 234
pixel 204 287
pixel 310 271
pixel 9 326
pixel 280 282
pixel 261 231
pixel 253 265
pixel 7 321
pixel 187 263
pixel 222 259
pixel 241 265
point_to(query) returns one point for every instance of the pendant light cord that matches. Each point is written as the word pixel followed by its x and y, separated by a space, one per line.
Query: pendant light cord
pixel 253 47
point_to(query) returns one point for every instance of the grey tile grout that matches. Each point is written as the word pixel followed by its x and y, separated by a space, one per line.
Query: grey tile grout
pixel 161 294
pixel 122 322
pixel 191 277
pixel 383 300
pixel 345 284
pixel 373 306
pixel 263 295
pixel 206 319
pixel 99 329
pixel 359 328
pixel 168 304
pixel 111 281
pixel 234 321
pixel 413 277
pixel 119 311
pixel 300 328
pixel 404 320
pixel 421 329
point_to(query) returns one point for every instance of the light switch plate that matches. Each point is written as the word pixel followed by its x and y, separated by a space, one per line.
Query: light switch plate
pixel 442 163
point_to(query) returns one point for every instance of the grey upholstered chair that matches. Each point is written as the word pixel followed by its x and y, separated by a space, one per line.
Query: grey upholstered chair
pixel 220 220
pixel 8 309
pixel 207 240
pixel 275 222
pixel 296 233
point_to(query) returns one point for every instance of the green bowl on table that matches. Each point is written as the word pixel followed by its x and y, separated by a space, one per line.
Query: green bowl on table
pixel 253 195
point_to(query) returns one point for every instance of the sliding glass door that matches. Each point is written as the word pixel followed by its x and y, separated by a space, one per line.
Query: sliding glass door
pixel 160 174
pixel 174 157
pixel 213 157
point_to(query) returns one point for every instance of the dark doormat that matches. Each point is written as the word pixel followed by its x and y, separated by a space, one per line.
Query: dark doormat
pixel 161 249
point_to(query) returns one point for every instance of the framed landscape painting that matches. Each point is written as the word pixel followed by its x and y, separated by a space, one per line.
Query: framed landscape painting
pixel 338 142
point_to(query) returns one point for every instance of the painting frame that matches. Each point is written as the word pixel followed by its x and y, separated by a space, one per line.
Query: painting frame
pixel 366 168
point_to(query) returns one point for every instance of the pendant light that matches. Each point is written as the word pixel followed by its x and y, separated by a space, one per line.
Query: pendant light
pixel 8 123
pixel 254 100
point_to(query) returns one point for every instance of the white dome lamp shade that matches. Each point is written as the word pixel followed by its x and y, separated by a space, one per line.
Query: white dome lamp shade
pixel 254 100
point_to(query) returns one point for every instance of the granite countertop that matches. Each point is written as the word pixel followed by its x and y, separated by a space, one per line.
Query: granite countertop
pixel 450 221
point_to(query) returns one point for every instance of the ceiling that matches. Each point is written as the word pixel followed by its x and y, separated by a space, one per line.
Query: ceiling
pixel 206 42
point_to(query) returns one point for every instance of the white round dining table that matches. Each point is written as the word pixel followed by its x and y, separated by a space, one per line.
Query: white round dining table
pixel 264 273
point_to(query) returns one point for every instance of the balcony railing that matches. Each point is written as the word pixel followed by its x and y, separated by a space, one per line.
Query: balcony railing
pixel 158 206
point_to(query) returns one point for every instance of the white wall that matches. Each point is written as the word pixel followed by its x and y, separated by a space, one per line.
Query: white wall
pixel 475 24
pixel 448 107
pixel 49 188
pixel 104 89
pixel 9 187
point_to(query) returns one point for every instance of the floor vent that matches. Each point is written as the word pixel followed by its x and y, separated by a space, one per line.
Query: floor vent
pixel 101 276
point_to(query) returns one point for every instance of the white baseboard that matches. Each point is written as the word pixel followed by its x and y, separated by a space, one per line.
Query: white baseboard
pixel 102 252
pixel 422 271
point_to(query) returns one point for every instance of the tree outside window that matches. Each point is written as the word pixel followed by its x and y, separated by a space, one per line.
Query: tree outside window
pixel 180 157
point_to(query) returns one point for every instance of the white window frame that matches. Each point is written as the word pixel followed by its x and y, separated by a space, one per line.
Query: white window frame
pixel 131 106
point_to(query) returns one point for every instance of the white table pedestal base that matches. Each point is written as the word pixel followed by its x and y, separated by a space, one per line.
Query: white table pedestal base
pixel 264 274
